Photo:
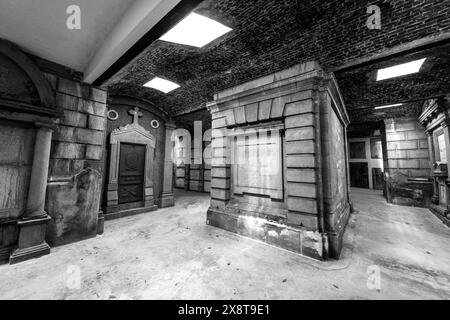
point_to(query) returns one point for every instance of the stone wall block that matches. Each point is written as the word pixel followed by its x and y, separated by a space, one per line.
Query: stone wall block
pixel 304 190
pixel 251 112
pixel 65 150
pixel 94 152
pixel 303 120
pixel 70 87
pixel 300 147
pixel 265 108
pixel 74 119
pixel 302 205
pixel 97 123
pixel 305 133
pixel 301 175
pixel 309 222
pixel 239 115
pixel 299 107
pixel 300 161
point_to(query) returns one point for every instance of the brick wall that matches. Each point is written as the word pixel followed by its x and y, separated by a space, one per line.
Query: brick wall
pixel 407 148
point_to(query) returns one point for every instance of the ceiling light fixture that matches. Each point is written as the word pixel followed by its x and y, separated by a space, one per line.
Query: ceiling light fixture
pixel 400 70
pixel 389 106
pixel 195 30
pixel 163 85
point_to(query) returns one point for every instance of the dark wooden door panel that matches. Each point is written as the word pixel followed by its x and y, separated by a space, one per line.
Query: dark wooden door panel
pixel 377 176
pixel 131 173
pixel 359 175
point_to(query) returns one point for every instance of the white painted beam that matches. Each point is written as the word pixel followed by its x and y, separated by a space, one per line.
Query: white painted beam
pixel 141 17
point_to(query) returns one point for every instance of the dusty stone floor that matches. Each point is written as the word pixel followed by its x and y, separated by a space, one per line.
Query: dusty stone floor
pixel 172 254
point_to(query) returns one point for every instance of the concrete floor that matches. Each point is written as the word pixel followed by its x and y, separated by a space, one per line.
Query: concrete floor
pixel 172 254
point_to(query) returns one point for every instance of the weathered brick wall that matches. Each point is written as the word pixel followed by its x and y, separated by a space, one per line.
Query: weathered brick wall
pixel 76 161
pixel 407 148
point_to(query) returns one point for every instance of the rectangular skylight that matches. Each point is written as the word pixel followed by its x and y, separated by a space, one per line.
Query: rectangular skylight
pixel 389 106
pixel 400 70
pixel 195 30
pixel 163 85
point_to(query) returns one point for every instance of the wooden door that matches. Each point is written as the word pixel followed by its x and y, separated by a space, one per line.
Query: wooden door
pixel 131 173
pixel 359 175
pixel 377 178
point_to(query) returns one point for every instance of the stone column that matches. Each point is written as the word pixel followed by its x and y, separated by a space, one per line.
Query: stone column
pixel 435 198
pixel 33 224
pixel 149 198
pixel 446 126
pixel 167 197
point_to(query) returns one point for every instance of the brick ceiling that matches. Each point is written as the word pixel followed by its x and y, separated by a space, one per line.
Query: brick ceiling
pixel 271 35
pixel 362 92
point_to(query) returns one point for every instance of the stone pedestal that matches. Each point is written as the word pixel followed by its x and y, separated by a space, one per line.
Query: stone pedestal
pixel 31 240
pixel 167 197
pixel 33 225
pixel 279 163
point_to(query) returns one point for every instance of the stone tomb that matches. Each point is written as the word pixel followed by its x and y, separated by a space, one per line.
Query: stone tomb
pixel 51 138
pixel 436 119
pixel 279 161
pixel 131 168
pixel 27 120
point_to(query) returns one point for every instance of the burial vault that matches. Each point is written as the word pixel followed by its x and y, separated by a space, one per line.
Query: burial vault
pixel 279 161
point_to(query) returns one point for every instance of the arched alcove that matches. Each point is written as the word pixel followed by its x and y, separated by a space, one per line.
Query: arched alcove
pixel 28 114
pixel 22 85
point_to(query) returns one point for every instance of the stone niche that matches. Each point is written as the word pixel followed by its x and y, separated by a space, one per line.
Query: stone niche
pixel 137 180
pixel 279 161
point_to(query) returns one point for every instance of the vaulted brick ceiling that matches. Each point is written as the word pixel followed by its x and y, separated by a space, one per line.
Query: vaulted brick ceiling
pixel 270 35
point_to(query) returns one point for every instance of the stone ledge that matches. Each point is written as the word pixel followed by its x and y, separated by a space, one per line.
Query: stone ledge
pixel 127 213
pixel 300 241
pixel 21 255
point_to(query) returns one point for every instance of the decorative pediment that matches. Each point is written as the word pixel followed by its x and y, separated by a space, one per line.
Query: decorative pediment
pixel 133 133
pixel 433 110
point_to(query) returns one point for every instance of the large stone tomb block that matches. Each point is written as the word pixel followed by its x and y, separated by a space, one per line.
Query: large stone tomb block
pixel 279 163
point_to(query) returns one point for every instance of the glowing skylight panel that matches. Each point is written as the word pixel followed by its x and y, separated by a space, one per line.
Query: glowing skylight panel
pixel 195 30
pixel 389 106
pixel 162 85
pixel 400 70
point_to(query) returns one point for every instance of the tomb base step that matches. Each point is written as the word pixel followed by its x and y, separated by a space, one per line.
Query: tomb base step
pixel 127 213
pixel 441 213
pixel 21 255
pixel 298 240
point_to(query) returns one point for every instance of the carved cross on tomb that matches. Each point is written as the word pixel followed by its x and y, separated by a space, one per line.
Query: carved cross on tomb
pixel 136 115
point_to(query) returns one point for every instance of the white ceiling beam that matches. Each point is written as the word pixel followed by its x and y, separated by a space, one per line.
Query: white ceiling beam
pixel 141 17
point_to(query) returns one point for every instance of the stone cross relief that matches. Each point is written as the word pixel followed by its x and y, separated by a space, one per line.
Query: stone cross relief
pixel 136 115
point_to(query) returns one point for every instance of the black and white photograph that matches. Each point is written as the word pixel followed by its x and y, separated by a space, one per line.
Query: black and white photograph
pixel 223 155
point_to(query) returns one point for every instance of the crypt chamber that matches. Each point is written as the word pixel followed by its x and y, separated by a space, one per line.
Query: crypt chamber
pixel 274 131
